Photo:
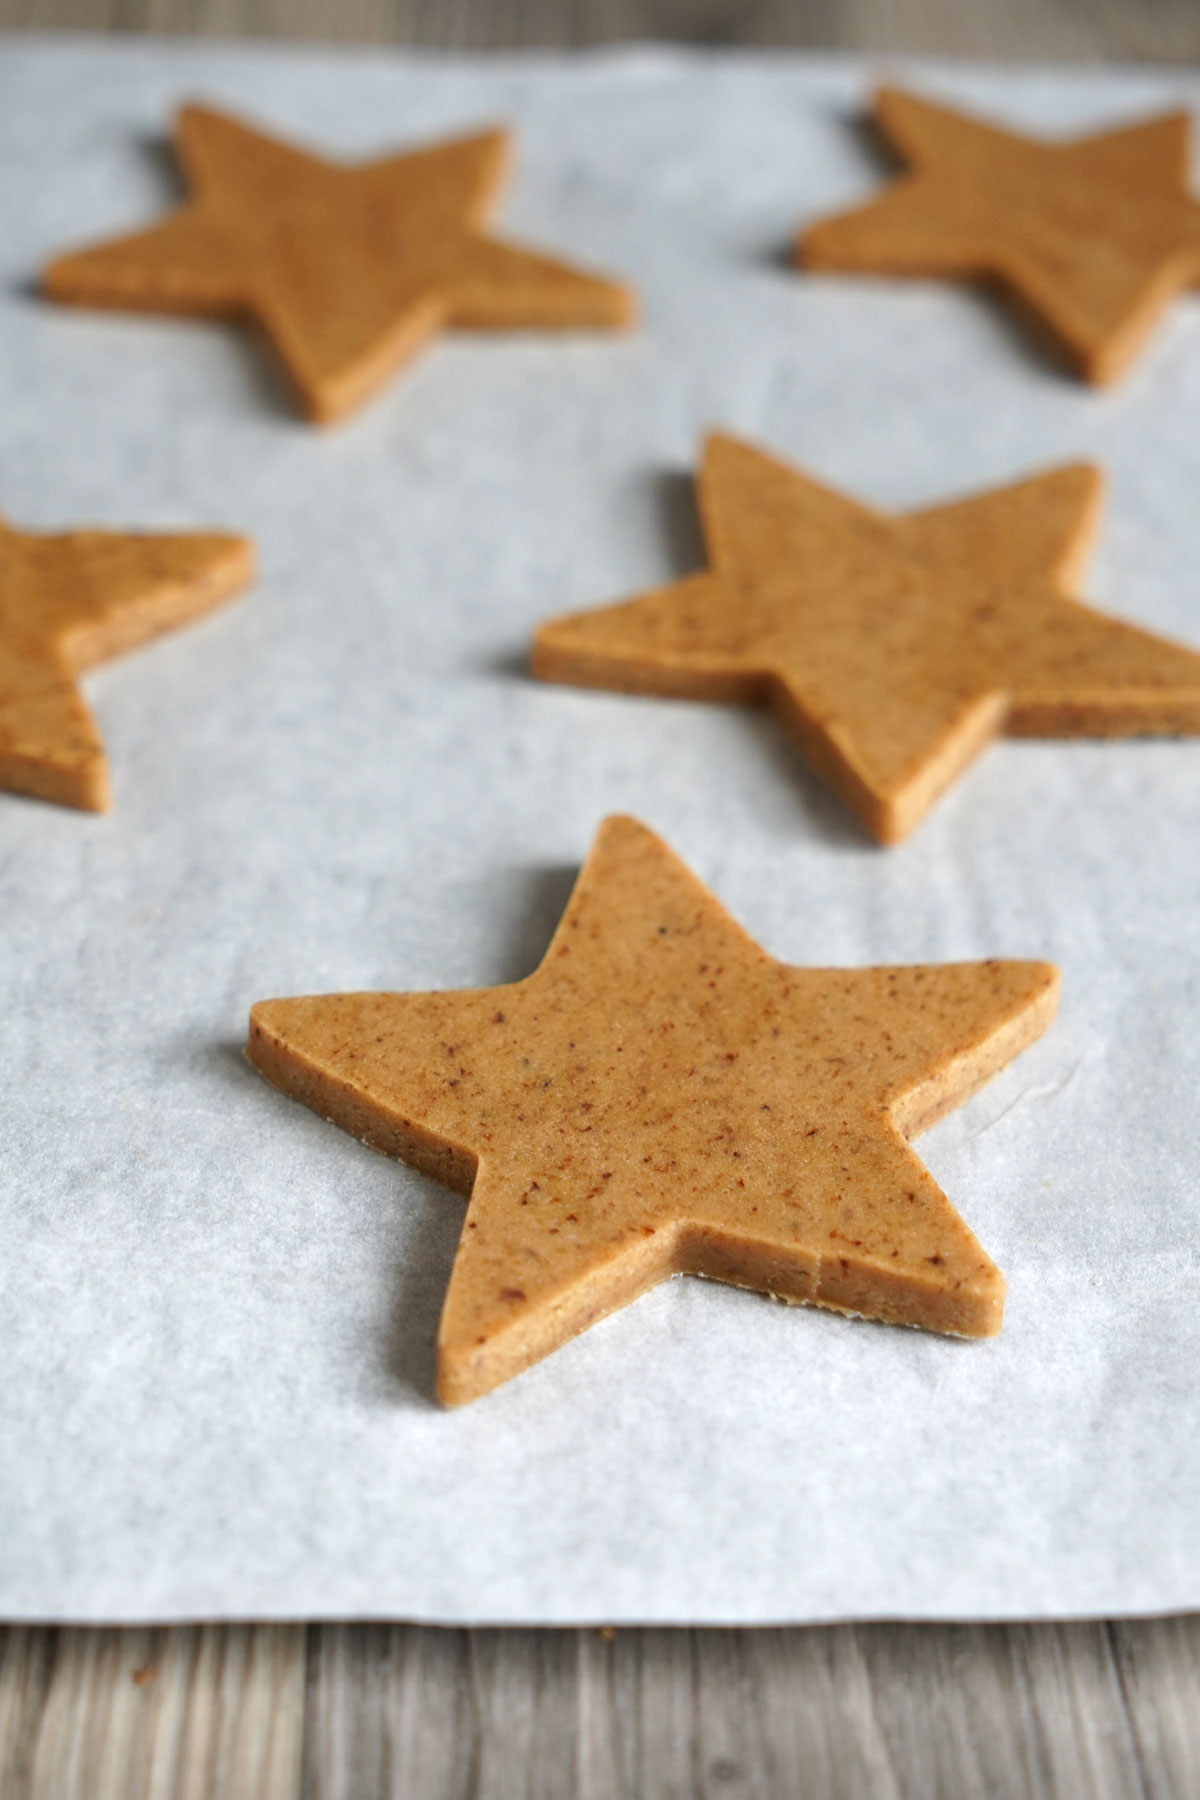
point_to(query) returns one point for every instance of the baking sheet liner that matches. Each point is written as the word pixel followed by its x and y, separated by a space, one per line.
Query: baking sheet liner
pixel 216 1312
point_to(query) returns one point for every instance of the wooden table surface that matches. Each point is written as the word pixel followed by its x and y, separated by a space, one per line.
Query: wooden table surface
pixel 1104 1711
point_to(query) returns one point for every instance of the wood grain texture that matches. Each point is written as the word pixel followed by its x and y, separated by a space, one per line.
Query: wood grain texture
pixel 1150 30
pixel 1158 1664
pixel 868 1712
pixel 139 1714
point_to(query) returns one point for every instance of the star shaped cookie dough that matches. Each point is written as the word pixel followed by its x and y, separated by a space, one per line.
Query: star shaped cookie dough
pixel 1094 235
pixel 662 1097
pixel 893 647
pixel 76 599
pixel 348 268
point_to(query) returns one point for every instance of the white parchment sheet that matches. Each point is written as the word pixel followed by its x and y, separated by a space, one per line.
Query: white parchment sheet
pixel 217 1312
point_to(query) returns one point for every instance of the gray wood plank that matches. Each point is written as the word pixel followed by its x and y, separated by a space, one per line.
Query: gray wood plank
pixel 386 1705
pixel 26 1674
pixel 818 1712
pixel 970 1712
pixel 1159 1665
pixel 868 1712
pixel 402 1709
pixel 179 1713
pixel 1153 30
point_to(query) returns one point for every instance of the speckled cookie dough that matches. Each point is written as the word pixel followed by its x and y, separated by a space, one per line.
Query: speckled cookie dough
pixel 892 647
pixel 79 598
pixel 348 268
pixel 1092 236
pixel 662 1097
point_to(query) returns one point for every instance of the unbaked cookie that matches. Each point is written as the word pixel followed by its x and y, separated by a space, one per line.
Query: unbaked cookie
pixel 347 268
pixel 662 1097
pixel 893 647
pixel 1094 236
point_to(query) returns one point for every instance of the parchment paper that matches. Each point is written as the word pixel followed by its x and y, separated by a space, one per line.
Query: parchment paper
pixel 216 1312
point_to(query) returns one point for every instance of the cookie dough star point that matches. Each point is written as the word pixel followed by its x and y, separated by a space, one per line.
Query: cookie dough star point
pixel 75 599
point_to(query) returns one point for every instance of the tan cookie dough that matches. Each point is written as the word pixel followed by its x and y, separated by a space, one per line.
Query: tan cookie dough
pixel 662 1097
pixel 347 268
pixel 892 647
pixel 1093 236
pixel 76 599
